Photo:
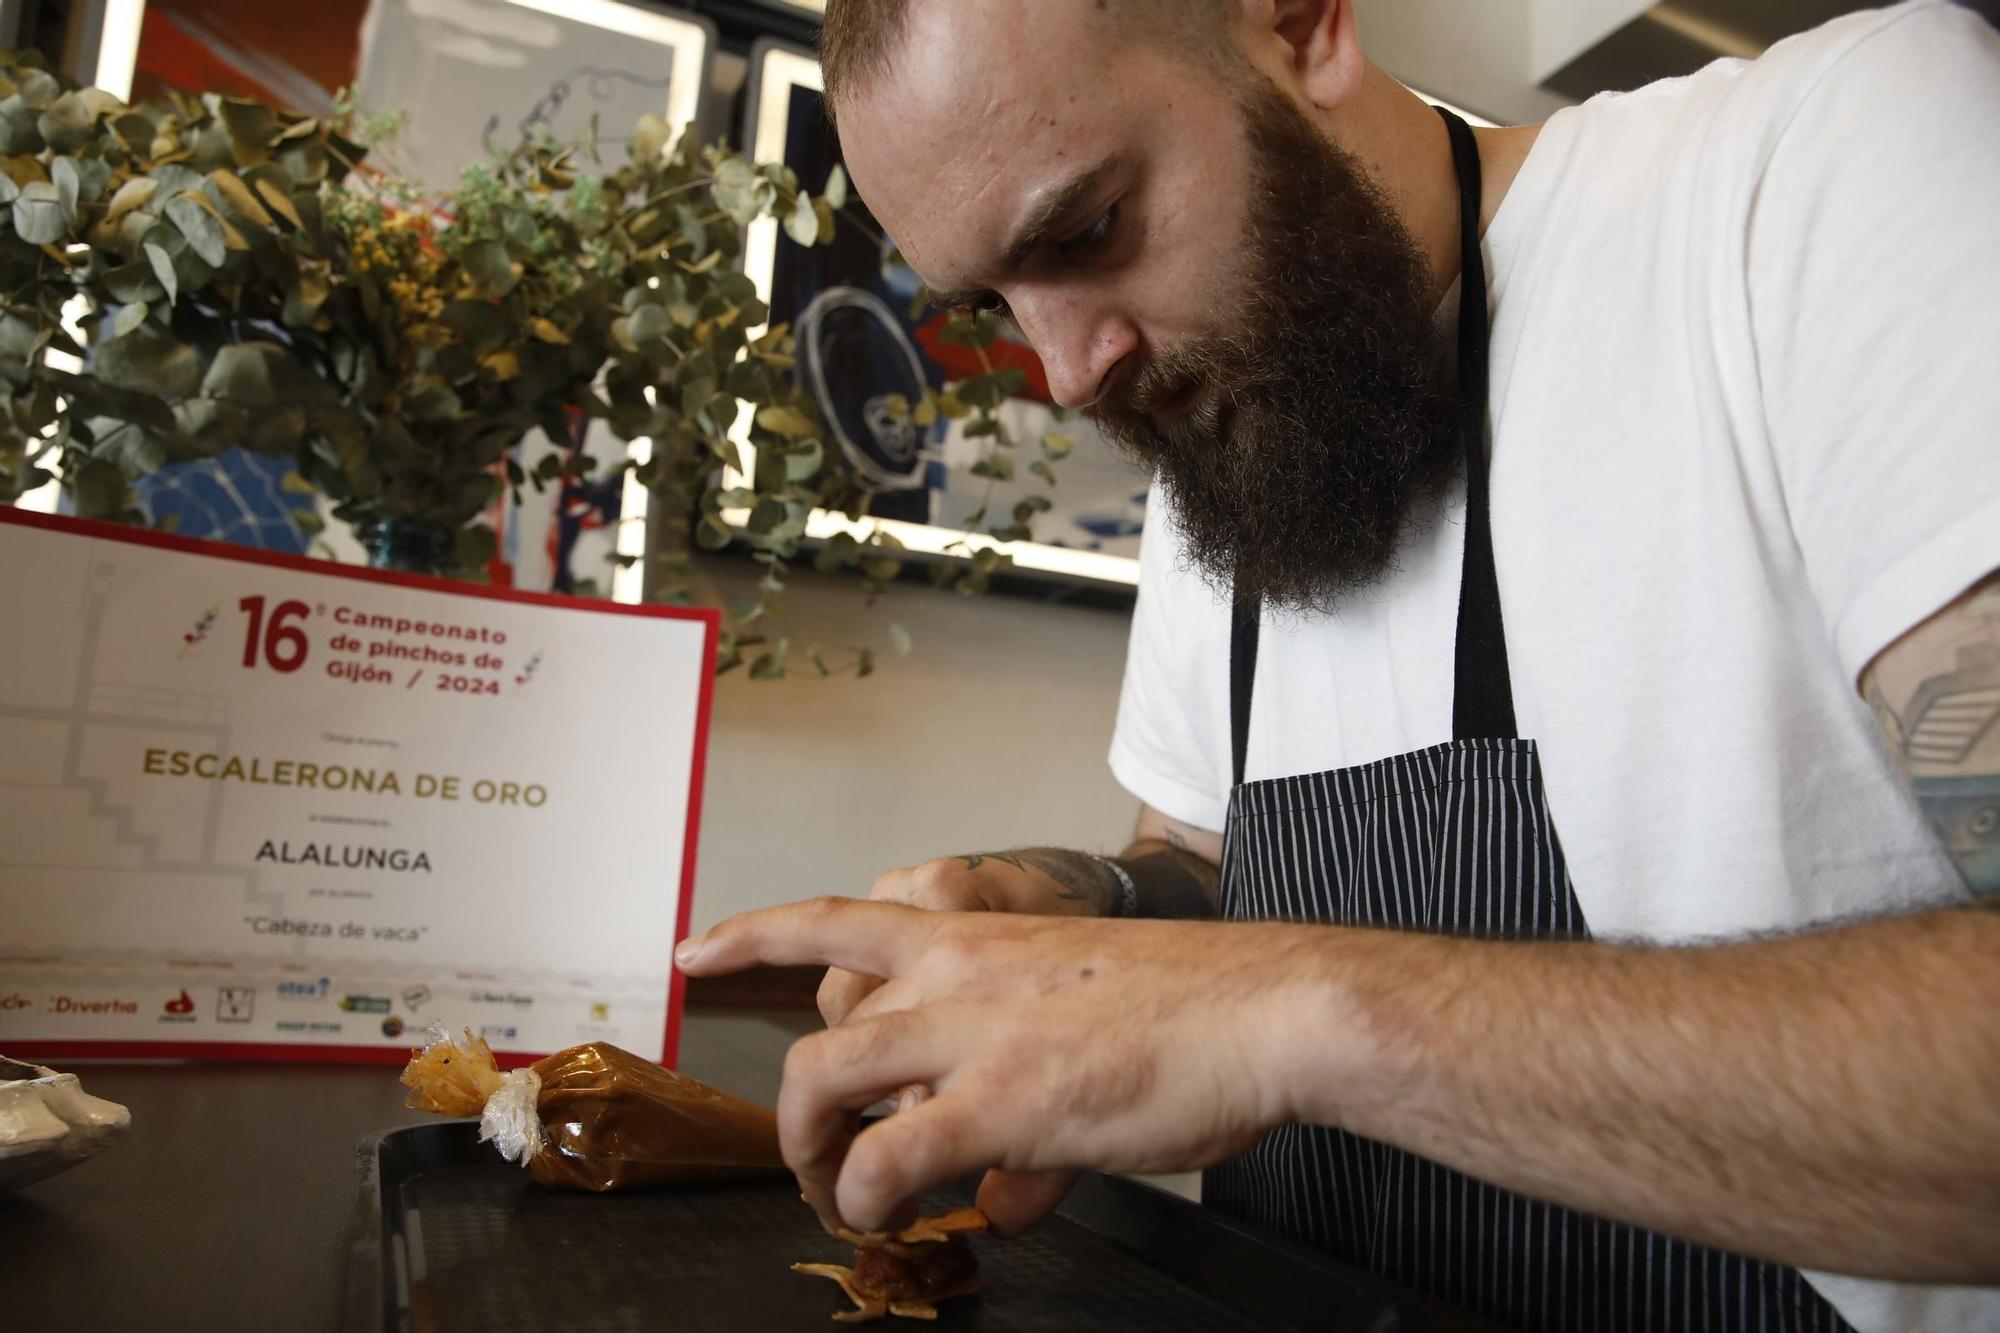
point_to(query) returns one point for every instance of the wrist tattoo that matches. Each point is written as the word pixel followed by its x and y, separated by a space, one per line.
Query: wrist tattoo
pixel 1080 877
pixel 1170 884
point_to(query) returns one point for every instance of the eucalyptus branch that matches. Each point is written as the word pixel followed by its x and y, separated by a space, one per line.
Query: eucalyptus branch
pixel 702 184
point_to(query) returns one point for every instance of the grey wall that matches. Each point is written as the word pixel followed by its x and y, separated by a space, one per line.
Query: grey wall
pixel 991 734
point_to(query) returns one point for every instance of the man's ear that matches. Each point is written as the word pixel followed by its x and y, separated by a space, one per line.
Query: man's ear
pixel 1321 43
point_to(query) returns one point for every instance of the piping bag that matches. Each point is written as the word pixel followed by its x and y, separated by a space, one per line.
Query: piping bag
pixel 595 1117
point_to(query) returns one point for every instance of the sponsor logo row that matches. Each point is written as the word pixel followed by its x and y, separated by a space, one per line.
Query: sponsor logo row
pixel 238 1005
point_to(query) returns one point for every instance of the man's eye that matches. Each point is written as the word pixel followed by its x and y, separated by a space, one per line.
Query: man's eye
pixel 991 303
pixel 1097 236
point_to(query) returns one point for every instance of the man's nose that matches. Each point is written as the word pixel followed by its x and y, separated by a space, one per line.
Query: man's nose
pixel 1084 350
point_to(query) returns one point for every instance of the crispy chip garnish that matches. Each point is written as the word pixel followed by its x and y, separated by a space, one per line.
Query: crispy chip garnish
pixel 866 1309
pixel 924 1231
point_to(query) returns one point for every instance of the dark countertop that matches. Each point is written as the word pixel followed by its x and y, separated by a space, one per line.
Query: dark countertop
pixel 230 1204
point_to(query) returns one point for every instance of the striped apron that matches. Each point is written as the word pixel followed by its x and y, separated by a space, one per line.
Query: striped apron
pixel 1457 840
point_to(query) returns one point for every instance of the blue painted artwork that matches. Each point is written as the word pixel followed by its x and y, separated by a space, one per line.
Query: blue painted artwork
pixel 235 497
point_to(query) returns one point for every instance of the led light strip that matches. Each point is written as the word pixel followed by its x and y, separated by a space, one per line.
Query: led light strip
pixel 47 499
pixel 118 47
pixel 928 539
pixel 628 581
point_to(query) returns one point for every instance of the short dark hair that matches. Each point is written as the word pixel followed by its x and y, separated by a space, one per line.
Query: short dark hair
pixel 858 38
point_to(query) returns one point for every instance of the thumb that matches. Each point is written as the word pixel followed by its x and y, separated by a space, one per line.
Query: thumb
pixel 1015 1200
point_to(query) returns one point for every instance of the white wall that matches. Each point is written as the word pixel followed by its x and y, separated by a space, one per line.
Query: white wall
pixel 1562 30
pixel 1488 56
pixel 991 734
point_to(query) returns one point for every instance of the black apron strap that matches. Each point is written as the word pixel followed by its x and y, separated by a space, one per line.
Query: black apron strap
pixel 1483 695
pixel 1243 635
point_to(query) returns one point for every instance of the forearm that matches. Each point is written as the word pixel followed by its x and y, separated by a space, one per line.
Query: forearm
pixel 1831 1101
pixel 1149 879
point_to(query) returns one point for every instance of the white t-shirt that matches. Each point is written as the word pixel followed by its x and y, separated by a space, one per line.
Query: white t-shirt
pixel 1745 434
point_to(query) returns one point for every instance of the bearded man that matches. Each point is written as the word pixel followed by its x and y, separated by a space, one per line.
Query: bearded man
pixel 1567 661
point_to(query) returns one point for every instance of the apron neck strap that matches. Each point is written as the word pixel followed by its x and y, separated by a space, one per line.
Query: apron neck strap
pixel 1243 635
pixel 1483 695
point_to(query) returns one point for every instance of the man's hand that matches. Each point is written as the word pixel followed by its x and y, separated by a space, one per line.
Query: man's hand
pixel 997 882
pixel 1051 1044
pixel 1170 870
pixel 1729 1095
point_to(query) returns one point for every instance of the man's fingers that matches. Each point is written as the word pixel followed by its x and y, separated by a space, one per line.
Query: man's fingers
pixel 831 1076
pixel 873 938
pixel 884 999
pixel 841 992
pixel 895 1160
pixel 1015 1200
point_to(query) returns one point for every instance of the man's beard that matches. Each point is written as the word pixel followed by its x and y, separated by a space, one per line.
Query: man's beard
pixel 1324 417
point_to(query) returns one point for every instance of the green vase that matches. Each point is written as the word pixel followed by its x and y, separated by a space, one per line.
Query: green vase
pixel 409 546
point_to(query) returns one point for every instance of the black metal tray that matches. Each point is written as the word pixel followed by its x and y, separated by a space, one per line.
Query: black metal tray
pixel 451 1238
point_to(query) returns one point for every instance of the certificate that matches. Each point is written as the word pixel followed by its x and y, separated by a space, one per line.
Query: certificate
pixel 255 806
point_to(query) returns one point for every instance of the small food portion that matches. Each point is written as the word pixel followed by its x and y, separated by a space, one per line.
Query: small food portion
pixel 907 1273
pixel 48 1123
pixel 596 1117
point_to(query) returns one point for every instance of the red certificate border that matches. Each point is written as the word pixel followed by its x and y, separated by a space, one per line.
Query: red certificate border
pixel 304 1053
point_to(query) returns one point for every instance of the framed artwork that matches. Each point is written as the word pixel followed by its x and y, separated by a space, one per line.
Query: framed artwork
pixel 478 76
pixel 862 343
pixel 240 497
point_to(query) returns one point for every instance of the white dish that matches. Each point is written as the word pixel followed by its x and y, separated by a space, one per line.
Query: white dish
pixel 48 1123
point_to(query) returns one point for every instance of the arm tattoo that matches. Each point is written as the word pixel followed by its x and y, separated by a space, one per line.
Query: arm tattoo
pixel 974 861
pixel 1166 884
pixel 1947 731
pixel 1079 877
pixel 1084 879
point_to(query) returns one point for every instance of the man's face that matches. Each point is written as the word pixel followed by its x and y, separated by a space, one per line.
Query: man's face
pixel 1196 264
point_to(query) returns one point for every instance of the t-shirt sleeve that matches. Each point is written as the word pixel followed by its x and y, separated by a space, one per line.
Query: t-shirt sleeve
pixel 1874 279
pixel 1163 749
